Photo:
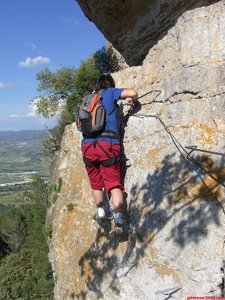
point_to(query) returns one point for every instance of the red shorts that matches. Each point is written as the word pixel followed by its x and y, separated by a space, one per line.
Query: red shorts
pixel 103 177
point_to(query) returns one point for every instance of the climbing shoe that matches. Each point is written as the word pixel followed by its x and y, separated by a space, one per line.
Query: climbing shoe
pixel 121 228
pixel 121 225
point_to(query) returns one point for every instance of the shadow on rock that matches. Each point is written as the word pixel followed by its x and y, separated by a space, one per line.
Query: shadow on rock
pixel 173 193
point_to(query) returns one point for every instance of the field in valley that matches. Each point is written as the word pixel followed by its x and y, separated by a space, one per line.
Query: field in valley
pixel 20 158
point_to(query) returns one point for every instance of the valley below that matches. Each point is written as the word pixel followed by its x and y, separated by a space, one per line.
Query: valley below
pixel 21 157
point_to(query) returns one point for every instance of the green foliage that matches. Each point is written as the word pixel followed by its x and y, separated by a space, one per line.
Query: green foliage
pixel 52 142
pixel 25 273
pixel 72 104
pixel 85 77
pixel 48 232
pixel 106 60
pixel 84 80
pixel 55 87
pixel 59 83
pixel 59 185
pixel 15 276
pixel 47 107
pixel 13 229
pixel 54 190
pixel 39 191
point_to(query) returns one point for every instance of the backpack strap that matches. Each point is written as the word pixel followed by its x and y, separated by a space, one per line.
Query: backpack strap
pixel 100 93
pixel 106 163
pixel 104 134
pixel 109 134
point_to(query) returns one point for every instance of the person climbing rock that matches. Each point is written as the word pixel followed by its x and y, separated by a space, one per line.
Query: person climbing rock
pixel 101 152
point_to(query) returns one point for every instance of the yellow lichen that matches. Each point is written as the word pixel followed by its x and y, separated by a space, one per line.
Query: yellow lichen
pixel 206 135
pixel 210 188
pixel 162 269
pixel 153 157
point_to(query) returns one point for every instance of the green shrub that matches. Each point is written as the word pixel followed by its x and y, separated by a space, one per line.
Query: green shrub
pixel 13 230
pixel 25 272
pixel 52 142
pixel 26 275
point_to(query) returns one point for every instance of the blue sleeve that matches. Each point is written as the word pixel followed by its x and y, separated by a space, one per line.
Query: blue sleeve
pixel 117 93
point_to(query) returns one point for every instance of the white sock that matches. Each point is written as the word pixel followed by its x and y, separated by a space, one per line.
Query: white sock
pixel 101 212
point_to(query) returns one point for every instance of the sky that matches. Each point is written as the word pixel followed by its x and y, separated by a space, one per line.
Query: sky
pixel 36 34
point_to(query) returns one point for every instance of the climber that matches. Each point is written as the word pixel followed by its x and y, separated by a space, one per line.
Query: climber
pixel 101 153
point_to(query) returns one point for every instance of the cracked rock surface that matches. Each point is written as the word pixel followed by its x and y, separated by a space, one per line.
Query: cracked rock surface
pixel 175 198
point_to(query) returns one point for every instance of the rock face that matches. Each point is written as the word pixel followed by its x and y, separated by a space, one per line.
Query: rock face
pixel 175 198
pixel 134 26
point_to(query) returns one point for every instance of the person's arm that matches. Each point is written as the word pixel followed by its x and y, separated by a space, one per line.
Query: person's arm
pixel 132 94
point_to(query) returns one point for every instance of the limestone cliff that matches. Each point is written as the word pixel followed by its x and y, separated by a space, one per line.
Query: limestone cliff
pixel 175 200
pixel 134 26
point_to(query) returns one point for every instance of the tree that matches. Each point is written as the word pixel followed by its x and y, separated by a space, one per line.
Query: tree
pixel 106 60
pixel 26 275
pixel 85 77
pixel 25 272
pixel 59 83
pixel 13 230
pixel 39 191
pixel 55 88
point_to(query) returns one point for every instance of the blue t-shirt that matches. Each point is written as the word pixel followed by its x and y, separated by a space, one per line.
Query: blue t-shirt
pixel 110 97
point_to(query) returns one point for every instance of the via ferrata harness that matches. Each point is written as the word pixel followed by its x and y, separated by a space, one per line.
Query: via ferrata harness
pixel 106 163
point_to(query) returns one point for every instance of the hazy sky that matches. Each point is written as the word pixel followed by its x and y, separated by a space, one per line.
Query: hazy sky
pixel 36 34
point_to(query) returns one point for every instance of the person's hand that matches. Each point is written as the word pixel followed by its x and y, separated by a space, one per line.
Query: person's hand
pixel 131 102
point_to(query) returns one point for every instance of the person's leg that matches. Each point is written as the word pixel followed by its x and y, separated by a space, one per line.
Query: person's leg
pixel 120 210
pixel 117 199
pixel 96 184
pixel 111 177
pixel 98 197
pixel 95 178
pixel 99 201
pixel 119 204
pixel 116 190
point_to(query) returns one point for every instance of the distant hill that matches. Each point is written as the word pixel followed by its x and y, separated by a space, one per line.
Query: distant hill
pixel 22 135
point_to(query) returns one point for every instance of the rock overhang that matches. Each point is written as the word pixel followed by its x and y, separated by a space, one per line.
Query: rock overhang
pixel 134 26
